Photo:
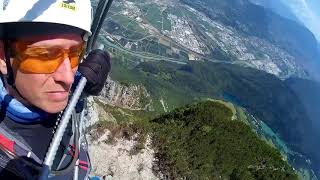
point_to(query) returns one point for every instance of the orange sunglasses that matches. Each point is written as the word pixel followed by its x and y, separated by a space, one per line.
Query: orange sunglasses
pixel 44 60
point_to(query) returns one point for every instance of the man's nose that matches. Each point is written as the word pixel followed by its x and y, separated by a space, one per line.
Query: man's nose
pixel 64 72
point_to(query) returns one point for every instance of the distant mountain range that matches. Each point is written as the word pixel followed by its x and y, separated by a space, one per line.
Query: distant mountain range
pixel 278 7
pixel 304 12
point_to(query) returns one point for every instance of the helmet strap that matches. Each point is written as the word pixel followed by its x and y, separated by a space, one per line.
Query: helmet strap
pixel 10 76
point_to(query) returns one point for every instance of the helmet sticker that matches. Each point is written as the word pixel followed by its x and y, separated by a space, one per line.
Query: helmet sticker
pixel 5 4
pixel 69 4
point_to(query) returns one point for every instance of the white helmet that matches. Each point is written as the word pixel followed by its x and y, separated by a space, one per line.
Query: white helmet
pixel 75 13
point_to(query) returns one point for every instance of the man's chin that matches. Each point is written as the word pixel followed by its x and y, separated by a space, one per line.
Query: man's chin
pixel 54 108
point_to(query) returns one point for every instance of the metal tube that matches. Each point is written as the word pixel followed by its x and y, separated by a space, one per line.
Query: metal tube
pixel 97 18
pixel 76 171
pixel 103 16
pixel 101 13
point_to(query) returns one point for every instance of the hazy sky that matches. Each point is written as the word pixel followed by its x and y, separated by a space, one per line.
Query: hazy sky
pixel 308 12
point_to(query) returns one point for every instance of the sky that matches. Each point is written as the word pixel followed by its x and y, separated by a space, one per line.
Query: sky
pixel 307 12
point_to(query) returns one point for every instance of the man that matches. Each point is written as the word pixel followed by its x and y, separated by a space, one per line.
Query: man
pixel 42 44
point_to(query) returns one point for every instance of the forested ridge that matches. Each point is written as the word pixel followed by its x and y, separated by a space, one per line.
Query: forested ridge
pixel 200 141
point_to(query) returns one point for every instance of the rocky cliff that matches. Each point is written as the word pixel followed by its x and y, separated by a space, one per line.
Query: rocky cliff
pixel 114 155
pixel 134 97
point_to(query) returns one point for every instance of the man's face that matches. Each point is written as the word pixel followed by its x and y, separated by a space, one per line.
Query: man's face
pixel 48 92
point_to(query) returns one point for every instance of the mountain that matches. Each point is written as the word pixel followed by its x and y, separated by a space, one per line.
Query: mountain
pixel 201 141
pixel 244 86
pixel 280 108
pixel 278 7
pixel 307 13
pixel 308 93
pixel 303 12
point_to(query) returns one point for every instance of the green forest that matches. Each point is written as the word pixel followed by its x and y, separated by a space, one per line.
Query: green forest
pixel 200 141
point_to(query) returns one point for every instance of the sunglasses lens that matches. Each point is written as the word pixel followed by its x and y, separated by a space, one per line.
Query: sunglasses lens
pixel 32 65
pixel 46 60
pixel 43 53
pixel 75 55
pixel 75 61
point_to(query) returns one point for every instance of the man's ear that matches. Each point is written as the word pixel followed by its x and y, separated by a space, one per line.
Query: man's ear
pixel 3 66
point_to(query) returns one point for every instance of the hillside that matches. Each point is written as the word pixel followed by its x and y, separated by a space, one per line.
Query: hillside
pixel 308 93
pixel 278 7
pixel 202 142
pixel 169 84
pixel 244 86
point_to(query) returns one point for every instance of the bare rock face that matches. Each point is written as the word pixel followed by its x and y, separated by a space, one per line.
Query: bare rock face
pixel 93 112
pixel 114 156
pixel 119 159
pixel 134 97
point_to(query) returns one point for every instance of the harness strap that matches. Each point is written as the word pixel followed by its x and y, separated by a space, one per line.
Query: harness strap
pixel 10 78
pixel 17 147
pixel 82 164
pixel 7 143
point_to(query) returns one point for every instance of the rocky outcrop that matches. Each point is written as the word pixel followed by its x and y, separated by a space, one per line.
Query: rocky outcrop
pixel 118 161
pixel 134 97
pixel 116 157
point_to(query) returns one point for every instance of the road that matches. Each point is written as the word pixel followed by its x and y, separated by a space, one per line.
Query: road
pixel 143 55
